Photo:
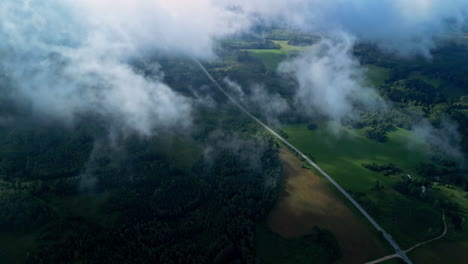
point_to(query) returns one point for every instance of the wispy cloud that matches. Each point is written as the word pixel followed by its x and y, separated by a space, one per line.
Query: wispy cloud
pixel 69 57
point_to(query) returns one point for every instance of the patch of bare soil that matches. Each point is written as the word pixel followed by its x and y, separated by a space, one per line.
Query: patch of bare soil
pixel 307 201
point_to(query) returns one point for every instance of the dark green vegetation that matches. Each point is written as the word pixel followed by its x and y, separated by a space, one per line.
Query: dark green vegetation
pixel 387 140
pixel 435 90
pixel 293 38
pixel 384 139
pixel 80 199
pixel 387 169
pixel 84 200
pixel 84 194
pixel 71 195
pixel 401 180
pixel 408 219
pixel 450 249
pixel 318 247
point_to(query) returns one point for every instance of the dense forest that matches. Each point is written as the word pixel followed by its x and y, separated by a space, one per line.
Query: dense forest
pixel 199 197
pixel 439 99
pixel 157 207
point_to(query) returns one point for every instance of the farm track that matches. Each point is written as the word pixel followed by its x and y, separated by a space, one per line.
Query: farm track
pixel 415 246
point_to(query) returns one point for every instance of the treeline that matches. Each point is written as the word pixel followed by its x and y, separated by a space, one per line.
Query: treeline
pixel 412 91
pixel 386 169
pixel 42 154
pixel 415 188
pixel 303 40
pixel 449 173
pixel 440 96
pixel 424 190
pixel 294 38
pixel 237 45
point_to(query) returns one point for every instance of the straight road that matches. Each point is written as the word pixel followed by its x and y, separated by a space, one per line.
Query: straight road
pixel 387 236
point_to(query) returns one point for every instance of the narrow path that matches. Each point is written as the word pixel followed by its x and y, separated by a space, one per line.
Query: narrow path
pixel 415 246
pixel 400 253
pixel 430 240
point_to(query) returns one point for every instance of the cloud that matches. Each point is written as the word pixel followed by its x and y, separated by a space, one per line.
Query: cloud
pixel 249 150
pixel 62 65
pixel 69 57
pixel 258 100
pixel 445 137
pixel 173 26
pixel 399 26
pixel 330 79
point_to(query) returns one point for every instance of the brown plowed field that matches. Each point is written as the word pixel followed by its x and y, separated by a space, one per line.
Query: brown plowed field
pixel 306 201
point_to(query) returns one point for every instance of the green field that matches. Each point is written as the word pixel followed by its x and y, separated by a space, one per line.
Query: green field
pixel 448 89
pixel 453 248
pixel 271 58
pixel 376 75
pixel 286 47
pixel 454 194
pixel 274 249
pixel 342 153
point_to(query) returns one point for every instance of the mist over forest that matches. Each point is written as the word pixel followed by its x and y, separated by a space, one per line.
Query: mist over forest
pixel 116 147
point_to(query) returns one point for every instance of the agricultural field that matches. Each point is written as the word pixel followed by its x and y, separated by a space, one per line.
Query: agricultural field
pixel 345 151
pixel 285 46
pixel 307 201
pixel 222 189
pixel 271 58
pixel 318 246
pixel 403 149
pixel 407 219
pixel 376 75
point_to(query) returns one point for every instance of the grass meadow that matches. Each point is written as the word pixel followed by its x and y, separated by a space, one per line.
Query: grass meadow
pixel 341 154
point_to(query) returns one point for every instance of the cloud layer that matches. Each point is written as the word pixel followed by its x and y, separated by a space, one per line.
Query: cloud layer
pixel 400 26
pixel 69 57
pixel 259 100
pixel 62 65
pixel 330 79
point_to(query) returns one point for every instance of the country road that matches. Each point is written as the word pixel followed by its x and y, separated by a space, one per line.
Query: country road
pixel 382 259
pixel 387 236
pixel 430 240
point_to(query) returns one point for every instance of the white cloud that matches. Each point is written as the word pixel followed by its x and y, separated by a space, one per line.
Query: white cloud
pixel 71 56
pixel 445 137
pixel 269 105
pixel 330 79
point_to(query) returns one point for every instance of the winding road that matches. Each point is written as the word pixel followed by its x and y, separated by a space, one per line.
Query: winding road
pixel 398 251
